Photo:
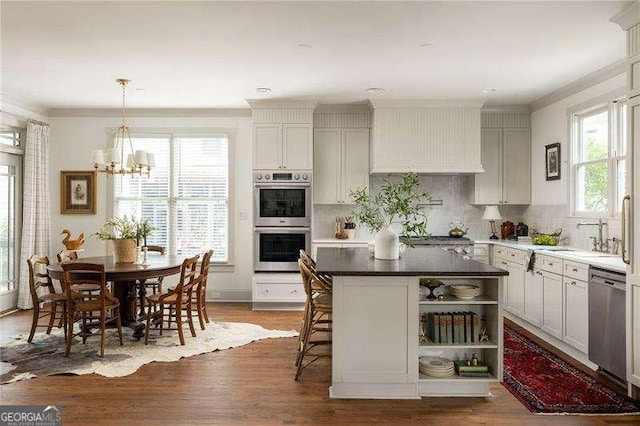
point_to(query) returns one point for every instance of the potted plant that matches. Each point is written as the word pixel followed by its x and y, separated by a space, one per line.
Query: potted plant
pixel 125 234
pixel 397 202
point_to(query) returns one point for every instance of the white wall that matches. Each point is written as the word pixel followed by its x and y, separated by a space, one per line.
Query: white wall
pixel 550 200
pixel 73 138
pixel 550 125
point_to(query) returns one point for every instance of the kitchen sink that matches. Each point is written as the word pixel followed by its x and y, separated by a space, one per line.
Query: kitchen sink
pixel 580 253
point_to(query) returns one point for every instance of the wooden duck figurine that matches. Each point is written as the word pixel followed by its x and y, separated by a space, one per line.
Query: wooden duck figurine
pixel 72 244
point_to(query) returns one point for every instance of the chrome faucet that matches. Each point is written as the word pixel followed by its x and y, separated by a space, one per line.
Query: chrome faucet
pixel 598 243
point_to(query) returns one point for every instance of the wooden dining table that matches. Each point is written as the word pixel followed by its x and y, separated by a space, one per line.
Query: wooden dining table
pixel 126 278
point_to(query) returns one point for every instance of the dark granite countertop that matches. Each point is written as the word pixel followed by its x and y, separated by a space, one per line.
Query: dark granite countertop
pixel 415 261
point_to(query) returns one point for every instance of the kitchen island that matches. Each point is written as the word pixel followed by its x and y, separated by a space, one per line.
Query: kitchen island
pixel 383 322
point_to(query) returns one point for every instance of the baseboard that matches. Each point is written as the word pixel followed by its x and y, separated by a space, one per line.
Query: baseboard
pixel 277 306
pixel 229 295
pixel 554 341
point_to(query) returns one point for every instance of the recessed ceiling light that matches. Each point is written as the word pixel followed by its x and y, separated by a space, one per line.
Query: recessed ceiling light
pixel 140 89
pixel 375 90
pixel 303 46
pixel 488 90
pixel 263 90
pixel 427 45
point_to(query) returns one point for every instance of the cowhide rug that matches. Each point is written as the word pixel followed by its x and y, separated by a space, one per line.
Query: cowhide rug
pixel 20 360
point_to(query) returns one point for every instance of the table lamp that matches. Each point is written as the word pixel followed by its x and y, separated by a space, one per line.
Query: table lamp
pixel 491 213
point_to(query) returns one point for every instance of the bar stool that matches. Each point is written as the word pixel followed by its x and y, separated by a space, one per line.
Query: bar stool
pixel 317 315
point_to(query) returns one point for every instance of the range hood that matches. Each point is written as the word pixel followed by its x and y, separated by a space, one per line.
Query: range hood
pixel 436 137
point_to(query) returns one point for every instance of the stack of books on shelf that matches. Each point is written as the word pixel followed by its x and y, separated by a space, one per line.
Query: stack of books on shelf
pixel 451 327
pixel 464 368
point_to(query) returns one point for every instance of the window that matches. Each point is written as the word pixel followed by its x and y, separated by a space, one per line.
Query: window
pixel 186 198
pixel 11 138
pixel 599 159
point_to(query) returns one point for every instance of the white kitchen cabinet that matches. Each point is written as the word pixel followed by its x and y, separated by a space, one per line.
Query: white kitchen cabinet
pixel 552 303
pixel 282 146
pixel 506 158
pixel 277 291
pixel 341 163
pixel 533 297
pixel 576 313
pixel 512 261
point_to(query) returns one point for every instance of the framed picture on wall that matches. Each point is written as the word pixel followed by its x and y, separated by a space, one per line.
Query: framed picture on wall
pixel 77 192
pixel 552 157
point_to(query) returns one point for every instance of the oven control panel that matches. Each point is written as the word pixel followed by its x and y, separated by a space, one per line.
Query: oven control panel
pixel 301 176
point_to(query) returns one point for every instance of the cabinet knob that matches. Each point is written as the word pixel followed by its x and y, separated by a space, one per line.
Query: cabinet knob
pixel 505 201
pixel 575 270
pixel 539 273
pixel 266 290
pixel 550 264
pixel 293 291
pixel 573 283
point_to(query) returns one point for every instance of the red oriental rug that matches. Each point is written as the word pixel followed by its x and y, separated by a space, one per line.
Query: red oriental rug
pixel 546 384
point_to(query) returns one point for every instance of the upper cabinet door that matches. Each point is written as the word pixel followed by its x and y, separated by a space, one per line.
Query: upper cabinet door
pixel 297 146
pixel 517 166
pixel 267 146
pixel 488 185
pixel 355 161
pixel 326 165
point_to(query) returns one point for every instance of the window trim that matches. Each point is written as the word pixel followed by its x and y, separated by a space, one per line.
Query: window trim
pixel 174 132
pixel 607 102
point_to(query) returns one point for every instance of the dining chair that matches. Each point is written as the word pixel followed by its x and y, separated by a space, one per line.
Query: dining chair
pixel 44 293
pixel 174 304
pixel 154 284
pixel 89 309
pixel 316 318
pixel 199 293
pixel 72 255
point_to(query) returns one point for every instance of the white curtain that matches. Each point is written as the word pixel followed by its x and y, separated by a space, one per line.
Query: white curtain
pixel 36 205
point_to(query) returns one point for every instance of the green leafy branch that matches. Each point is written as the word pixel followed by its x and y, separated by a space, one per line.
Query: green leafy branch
pixel 395 202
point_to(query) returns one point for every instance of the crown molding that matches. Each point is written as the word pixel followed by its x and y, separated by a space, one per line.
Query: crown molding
pixel 589 80
pixel 282 103
pixel 628 17
pixel 22 107
pixel 344 108
pixel 426 103
pixel 150 112
pixel 524 109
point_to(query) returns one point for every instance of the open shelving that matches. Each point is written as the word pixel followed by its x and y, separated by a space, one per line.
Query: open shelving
pixel 487 305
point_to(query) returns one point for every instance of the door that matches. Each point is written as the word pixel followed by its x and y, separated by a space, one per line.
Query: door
pixel 533 297
pixel 297 146
pixel 515 295
pixel 516 178
pixel 267 146
pixel 326 171
pixel 576 314
pixel 488 185
pixel 355 161
pixel 552 304
pixel 10 228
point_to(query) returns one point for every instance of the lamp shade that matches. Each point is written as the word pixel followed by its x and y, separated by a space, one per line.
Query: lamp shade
pixel 491 213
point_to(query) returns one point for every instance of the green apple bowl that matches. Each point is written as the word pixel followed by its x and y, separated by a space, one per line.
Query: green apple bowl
pixel 544 240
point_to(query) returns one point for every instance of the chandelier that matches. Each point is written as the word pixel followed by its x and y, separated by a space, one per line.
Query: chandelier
pixel 112 161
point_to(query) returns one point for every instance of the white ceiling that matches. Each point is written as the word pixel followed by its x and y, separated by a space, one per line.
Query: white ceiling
pixel 215 54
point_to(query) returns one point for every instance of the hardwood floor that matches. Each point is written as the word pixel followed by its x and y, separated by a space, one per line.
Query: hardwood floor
pixel 252 384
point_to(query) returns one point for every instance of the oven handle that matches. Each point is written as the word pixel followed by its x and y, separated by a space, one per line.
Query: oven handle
pixel 281 229
pixel 280 185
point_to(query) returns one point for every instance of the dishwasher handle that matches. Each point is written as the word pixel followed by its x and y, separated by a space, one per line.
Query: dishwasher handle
pixel 617 285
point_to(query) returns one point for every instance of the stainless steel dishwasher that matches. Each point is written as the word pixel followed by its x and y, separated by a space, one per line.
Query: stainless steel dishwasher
pixel 607 345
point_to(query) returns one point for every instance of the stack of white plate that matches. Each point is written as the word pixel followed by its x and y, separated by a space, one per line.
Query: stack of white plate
pixel 465 291
pixel 436 366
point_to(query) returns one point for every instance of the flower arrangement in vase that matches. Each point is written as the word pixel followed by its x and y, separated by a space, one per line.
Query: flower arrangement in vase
pixel 397 202
pixel 125 233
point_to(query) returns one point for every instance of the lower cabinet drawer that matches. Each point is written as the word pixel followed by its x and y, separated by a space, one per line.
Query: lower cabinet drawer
pixel 579 271
pixel 516 256
pixel 549 264
pixel 274 292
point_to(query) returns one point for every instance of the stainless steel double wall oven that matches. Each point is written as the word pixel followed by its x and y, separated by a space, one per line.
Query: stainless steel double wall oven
pixel 281 218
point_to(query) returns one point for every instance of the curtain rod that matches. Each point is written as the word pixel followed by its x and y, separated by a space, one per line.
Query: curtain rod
pixel 29 120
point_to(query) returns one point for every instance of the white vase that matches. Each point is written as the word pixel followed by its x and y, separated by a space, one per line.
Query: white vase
pixel 387 244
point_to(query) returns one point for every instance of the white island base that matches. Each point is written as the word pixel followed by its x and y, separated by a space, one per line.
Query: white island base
pixel 376 337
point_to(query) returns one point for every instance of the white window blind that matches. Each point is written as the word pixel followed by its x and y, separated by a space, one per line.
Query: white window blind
pixel 186 198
